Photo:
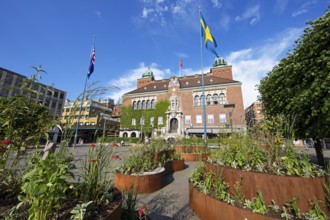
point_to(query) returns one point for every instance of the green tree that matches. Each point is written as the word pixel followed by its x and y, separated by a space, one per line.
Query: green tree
pixel 299 86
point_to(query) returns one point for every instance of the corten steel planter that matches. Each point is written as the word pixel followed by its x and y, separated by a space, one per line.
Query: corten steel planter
pixel 194 156
pixel 192 149
pixel 174 166
pixel 142 183
pixel 207 208
pixel 281 189
pixel 114 213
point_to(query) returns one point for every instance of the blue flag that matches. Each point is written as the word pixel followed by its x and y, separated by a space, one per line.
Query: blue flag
pixel 91 65
pixel 209 40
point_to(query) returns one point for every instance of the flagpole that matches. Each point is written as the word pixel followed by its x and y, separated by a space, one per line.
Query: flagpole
pixel 203 93
pixel 82 100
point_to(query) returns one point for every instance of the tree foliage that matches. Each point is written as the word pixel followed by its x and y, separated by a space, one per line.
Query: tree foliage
pixel 299 86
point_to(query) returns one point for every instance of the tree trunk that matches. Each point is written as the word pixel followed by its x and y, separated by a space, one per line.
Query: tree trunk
pixel 319 152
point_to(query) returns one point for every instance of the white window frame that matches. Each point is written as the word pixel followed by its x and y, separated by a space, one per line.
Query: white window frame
pixel 223 118
pixel 133 121
pixel 160 120
pixel 210 119
pixel 187 119
pixel 199 119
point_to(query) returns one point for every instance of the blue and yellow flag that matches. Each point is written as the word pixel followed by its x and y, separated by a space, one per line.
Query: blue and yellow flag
pixel 209 40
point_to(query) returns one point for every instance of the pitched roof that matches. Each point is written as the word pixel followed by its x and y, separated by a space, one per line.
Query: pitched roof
pixel 185 82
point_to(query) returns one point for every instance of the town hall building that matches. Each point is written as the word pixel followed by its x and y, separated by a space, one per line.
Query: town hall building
pixel 184 116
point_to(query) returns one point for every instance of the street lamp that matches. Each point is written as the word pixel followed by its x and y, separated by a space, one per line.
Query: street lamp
pixel 230 114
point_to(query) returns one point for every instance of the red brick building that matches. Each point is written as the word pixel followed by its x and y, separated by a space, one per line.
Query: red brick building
pixel 223 102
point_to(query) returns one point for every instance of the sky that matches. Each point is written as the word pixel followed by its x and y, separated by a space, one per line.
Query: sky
pixel 132 35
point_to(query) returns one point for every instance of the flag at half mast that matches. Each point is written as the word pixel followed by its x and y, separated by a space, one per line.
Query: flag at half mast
pixel 209 40
pixel 91 65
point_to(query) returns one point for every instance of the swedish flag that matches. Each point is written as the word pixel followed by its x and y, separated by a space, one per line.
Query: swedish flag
pixel 209 40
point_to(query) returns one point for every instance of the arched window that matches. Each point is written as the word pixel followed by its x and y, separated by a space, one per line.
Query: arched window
pixel 148 104
pixel 208 99
pixel 201 100
pixel 138 105
pixel 134 105
pixel 222 99
pixel 143 104
pixel 196 100
pixel 215 99
pixel 153 104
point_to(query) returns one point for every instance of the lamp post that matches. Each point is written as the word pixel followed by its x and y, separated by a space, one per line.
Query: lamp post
pixel 105 118
pixel 230 115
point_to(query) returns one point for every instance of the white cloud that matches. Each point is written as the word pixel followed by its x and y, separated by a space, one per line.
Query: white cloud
pixel 146 12
pixel 225 21
pixel 251 64
pixel 98 13
pixel 251 14
pixel 281 5
pixel 128 81
pixel 303 8
pixel 216 3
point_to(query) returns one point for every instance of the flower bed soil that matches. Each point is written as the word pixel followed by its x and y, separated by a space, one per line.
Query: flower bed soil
pixel 281 189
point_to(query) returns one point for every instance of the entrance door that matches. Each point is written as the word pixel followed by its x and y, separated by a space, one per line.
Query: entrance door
pixel 174 125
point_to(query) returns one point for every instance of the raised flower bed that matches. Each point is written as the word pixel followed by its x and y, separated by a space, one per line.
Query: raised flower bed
pixel 280 189
pixel 193 153
pixel 211 197
pixel 146 182
pixel 207 207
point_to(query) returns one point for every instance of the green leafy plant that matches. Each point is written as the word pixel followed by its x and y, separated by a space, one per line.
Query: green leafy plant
pixel 222 189
pixel 239 195
pixel 79 211
pixel 96 173
pixel 293 208
pixel 274 207
pixel 45 185
pixel 315 213
pixel 197 174
pixel 259 204
pixel 206 185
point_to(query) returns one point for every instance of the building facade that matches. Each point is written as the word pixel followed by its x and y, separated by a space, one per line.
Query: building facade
pixel 254 114
pixel 50 97
pixel 95 118
pixel 184 116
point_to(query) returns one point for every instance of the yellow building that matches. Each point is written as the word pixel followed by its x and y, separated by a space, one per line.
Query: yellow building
pixel 254 114
pixel 95 118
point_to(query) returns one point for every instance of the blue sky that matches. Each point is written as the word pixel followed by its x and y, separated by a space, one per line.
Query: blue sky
pixel 132 35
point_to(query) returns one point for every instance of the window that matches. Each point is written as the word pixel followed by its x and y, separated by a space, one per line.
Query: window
pixel 208 99
pixel 152 121
pixel 196 100
pixel 210 119
pixel 134 105
pixel 222 99
pixel 148 104
pixel 143 104
pixel 160 120
pixel 199 119
pixel 222 118
pixel 215 99
pixel 188 120
pixel 133 121
pixel 138 105
pixel 153 104
pixel 142 120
